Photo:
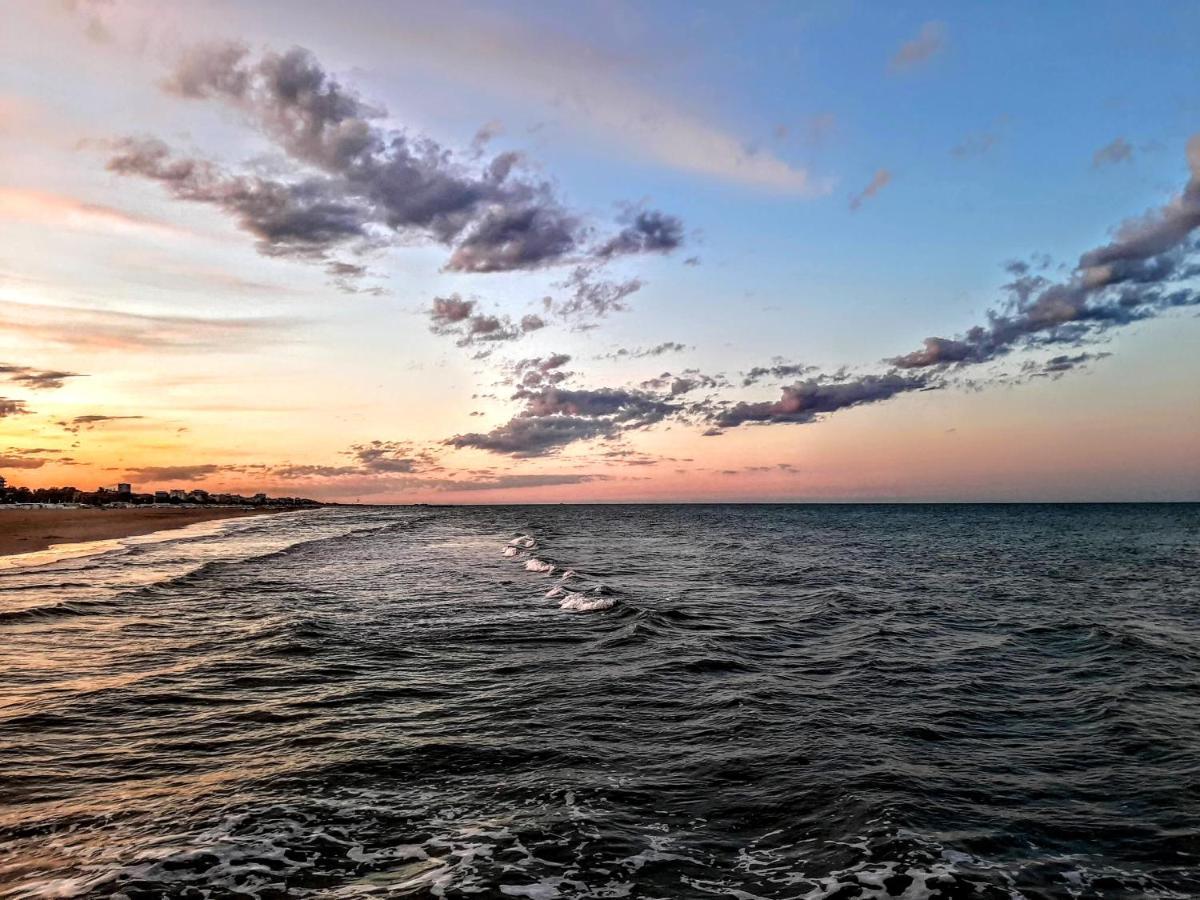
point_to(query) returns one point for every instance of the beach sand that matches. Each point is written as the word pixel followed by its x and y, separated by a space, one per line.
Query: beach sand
pixel 27 530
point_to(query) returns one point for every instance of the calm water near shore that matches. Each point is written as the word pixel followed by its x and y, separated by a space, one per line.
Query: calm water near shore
pixel 611 701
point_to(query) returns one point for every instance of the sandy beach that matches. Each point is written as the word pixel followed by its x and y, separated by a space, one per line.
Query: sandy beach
pixel 28 530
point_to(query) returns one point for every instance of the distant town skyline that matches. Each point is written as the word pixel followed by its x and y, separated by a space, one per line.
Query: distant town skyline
pixel 524 252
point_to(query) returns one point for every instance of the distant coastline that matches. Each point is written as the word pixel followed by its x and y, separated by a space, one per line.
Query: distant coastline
pixel 24 530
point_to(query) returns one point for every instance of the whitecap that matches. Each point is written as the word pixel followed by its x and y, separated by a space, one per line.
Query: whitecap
pixel 537 565
pixel 576 602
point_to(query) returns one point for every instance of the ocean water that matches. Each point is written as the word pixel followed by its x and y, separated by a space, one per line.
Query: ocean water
pixel 613 701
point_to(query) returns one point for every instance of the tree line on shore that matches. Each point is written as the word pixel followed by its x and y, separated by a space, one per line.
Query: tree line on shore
pixel 11 494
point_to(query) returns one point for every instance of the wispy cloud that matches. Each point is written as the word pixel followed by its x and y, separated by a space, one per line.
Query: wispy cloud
pixel 591 92
pixel 879 181
pixel 58 211
pixel 918 50
pixel 83 328
pixel 1116 151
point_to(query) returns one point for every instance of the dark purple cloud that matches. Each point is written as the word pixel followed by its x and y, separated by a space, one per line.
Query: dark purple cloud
pixel 554 417
pixel 804 401
pixel 461 318
pixel 538 371
pixel 37 379
pixel 1146 270
pixel 643 352
pixel 358 185
pixel 393 457
pixel 648 231
pixel 12 407
pixel 778 370
pixel 88 422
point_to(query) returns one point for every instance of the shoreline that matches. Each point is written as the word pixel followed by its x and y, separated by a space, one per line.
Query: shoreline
pixel 32 530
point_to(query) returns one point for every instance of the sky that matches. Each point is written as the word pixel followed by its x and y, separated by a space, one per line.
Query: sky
pixel 602 252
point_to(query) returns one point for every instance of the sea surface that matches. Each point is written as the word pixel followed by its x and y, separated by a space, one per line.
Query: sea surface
pixel 761 701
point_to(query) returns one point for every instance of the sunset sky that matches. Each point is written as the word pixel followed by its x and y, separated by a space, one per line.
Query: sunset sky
pixel 602 251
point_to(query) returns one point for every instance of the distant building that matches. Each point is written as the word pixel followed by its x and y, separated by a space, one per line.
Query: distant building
pixel 123 488
pixel 178 494
pixel 162 496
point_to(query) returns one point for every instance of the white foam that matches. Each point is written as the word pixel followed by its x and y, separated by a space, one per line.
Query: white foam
pixel 511 551
pixel 576 602
pixel 538 565
pixel 557 591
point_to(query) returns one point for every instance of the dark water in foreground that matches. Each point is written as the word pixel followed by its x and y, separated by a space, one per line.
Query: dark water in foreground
pixel 784 702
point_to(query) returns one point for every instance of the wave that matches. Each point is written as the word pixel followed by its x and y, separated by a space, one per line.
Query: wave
pixel 581 603
pixel 574 591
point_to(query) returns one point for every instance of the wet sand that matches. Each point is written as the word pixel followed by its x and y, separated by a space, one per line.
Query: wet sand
pixel 28 530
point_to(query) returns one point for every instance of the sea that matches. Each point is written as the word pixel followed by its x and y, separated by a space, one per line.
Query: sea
pixel 644 701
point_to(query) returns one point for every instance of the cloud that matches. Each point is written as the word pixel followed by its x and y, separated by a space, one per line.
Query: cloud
pixel 587 90
pixel 82 328
pixel 1057 366
pixel 392 457
pixel 1118 151
pixel 537 371
pixel 928 42
pixel 525 437
pixel 643 352
pixel 813 132
pixel 1142 273
pixel 977 144
pixel 804 401
pixel 21 462
pixel 879 181
pixel 356 184
pixel 55 210
pixel 12 407
pixel 487 133
pixel 779 370
pixel 90 421
pixel 308 217
pixel 555 417
pixel 452 315
pixel 160 474
pixel 505 239
pixel 351 480
pixel 591 297
pixel 37 379
pixel 683 383
pixel 648 231
pixel 505 482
